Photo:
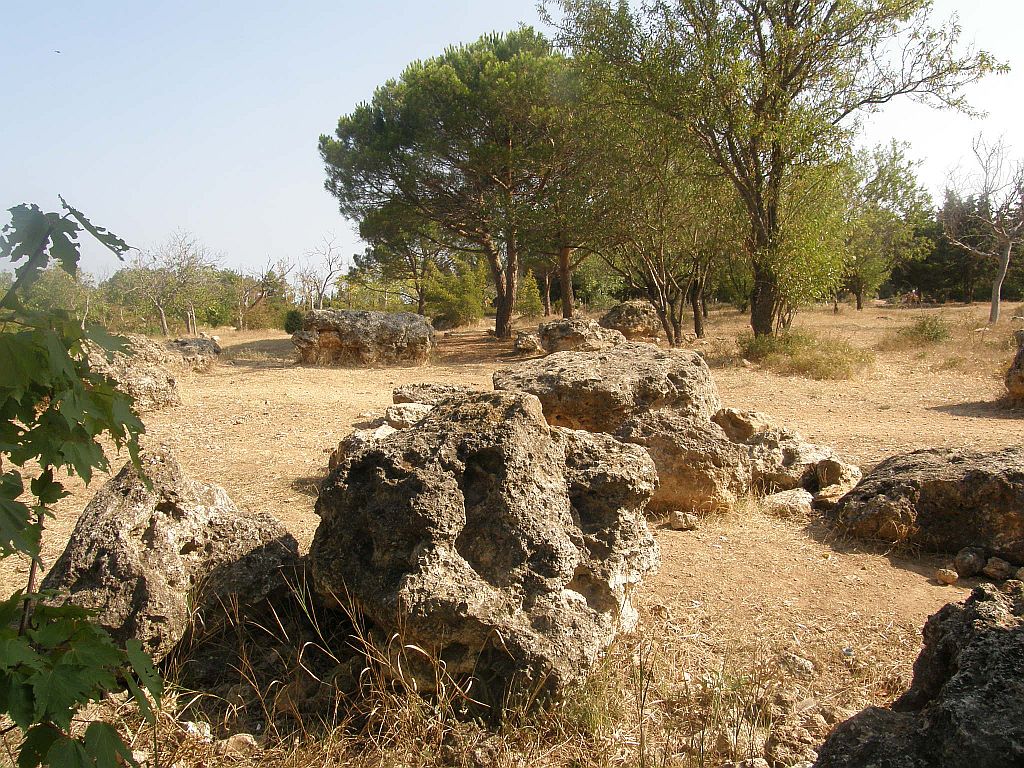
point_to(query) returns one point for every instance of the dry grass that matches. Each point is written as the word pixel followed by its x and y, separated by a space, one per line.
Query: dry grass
pixel 801 353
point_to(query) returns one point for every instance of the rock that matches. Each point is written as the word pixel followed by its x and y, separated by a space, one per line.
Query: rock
pixel 739 425
pixel 577 335
pixel 1019 576
pixel 794 504
pixel 833 473
pixel 826 499
pixel 682 521
pixel 527 343
pixel 969 561
pixel 780 460
pixel 238 745
pixel 429 393
pixel 999 569
pixel 145 558
pixel 140 371
pixel 196 353
pixel 199 731
pixel 798 665
pixel 503 546
pixel 965 706
pixel 600 391
pixel 405 415
pixel 1015 376
pixel 357 440
pixel 946 576
pixel 636 319
pixel 699 468
pixel 942 500
pixel 358 337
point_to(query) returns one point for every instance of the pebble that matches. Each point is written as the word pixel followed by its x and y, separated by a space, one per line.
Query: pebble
pixel 239 745
pixel 946 576
pixel 998 569
pixel 682 521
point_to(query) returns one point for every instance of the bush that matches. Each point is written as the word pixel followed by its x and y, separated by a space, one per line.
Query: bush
pixel 804 354
pixel 926 331
pixel 528 302
pixel 457 298
pixel 293 321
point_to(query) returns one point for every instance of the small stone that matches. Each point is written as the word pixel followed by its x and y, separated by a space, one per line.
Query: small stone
pixel 239 745
pixel 946 576
pixel 682 521
pixel 527 343
pixel 140 756
pixel 798 665
pixel 405 415
pixel 969 561
pixel 1020 574
pixel 794 504
pixel 199 731
pixel 998 569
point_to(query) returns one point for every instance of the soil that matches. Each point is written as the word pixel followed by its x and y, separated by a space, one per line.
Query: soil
pixel 262 427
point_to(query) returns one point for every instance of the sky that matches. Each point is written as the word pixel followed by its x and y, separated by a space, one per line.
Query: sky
pixel 204 116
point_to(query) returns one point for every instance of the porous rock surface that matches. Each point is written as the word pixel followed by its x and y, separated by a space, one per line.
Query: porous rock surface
pixel 428 393
pixel 358 337
pixel 965 706
pixel 943 500
pixel 637 319
pixel 600 391
pixel 504 546
pixel 196 353
pixel 699 468
pixel 527 343
pixel 1015 376
pixel 140 371
pixel 142 556
pixel 577 335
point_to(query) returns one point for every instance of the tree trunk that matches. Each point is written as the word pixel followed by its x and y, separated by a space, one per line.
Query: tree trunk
pixel 163 321
pixel 565 280
pixel 506 281
pixel 703 302
pixel 547 294
pixel 697 303
pixel 997 284
pixel 763 301
pixel 421 300
pixel 860 299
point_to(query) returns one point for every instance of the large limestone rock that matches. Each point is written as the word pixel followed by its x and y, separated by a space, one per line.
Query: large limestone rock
pixel 502 545
pixel 356 337
pixel 942 500
pixel 636 319
pixel 1015 376
pixel 142 371
pixel 600 391
pixel 196 353
pixel 965 707
pixel 699 468
pixel 577 335
pixel 145 558
pixel 428 393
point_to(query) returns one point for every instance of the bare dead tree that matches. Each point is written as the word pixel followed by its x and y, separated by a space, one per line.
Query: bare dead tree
pixel 984 213
pixel 323 265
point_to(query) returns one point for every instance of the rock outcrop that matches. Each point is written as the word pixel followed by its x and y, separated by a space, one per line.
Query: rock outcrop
pixel 942 500
pixel 501 545
pixel 527 343
pixel 965 706
pixel 142 371
pixel 600 391
pixel 428 393
pixel 145 558
pixel 356 337
pixel 196 353
pixel 699 468
pixel 636 319
pixel 1015 376
pixel 577 335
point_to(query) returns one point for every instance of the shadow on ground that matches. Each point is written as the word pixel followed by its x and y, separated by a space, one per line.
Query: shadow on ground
pixel 983 409
pixel 264 353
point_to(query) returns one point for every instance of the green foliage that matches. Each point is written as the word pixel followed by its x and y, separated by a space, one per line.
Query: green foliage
pixel 926 331
pixel 53 409
pixel 803 354
pixel 459 297
pixel 528 301
pixel 293 321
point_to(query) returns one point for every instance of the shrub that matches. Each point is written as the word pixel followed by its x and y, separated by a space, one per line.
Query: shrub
pixel 528 303
pixel 804 354
pixel 293 321
pixel 926 331
pixel 457 298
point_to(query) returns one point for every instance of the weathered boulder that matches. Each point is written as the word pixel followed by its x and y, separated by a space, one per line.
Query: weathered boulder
pixel 943 500
pixel 428 393
pixel 965 706
pixel 600 391
pixel 145 558
pixel 699 468
pixel 636 319
pixel 740 425
pixel 405 415
pixel 358 439
pixel 196 353
pixel 357 337
pixel 577 335
pixel 527 343
pixel 505 547
pixel 140 371
pixel 794 504
pixel 782 460
pixel 1015 376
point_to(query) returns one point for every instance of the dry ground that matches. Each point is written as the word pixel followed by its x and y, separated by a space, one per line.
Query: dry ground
pixel 738 587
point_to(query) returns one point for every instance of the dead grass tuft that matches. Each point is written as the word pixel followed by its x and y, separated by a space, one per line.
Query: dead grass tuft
pixel 800 353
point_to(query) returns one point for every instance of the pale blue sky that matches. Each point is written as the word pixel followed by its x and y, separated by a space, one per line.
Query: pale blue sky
pixel 205 115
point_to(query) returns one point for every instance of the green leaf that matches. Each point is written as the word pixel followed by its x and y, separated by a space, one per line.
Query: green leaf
pixel 67 753
pixel 58 694
pixel 37 744
pixel 16 651
pixel 109 239
pixel 46 489
pixel 104 745
pixel 16 700
pixel 143 666
pixel 140 699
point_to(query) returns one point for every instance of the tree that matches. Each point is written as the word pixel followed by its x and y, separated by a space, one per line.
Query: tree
pixel 463 140
pixel 325 263
pixel 769 88
pixel 53 409
pixel 253 290
pixel 176 276
pixel 986 218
